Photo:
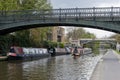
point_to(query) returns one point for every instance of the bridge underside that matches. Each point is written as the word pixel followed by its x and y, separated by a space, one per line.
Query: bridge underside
pixel 15 26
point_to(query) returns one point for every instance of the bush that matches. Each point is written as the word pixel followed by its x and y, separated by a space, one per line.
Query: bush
pixel 47 44
pixel 61 45
pixel 53 44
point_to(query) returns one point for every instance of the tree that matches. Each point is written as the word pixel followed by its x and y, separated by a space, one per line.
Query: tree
pixel 9 5
pixel 43 4
pixel 78 33
pixel 22 38
pixel 116 36
pixel 36 35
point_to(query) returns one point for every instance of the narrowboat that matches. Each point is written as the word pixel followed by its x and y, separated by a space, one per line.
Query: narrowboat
pixel 21 53
pixel 59 51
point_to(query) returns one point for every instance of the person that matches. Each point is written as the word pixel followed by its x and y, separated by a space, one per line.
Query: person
pixel 75 50
pixel 12 50
pixel 48 49
pixel 52 51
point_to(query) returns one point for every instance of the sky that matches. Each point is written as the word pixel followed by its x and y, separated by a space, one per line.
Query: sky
pixel 85 4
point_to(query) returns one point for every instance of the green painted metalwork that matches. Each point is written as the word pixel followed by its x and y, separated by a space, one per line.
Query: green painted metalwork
pixel 110 41
pixel 106 18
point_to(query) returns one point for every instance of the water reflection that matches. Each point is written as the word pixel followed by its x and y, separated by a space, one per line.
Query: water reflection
pixel 11 71
pixel 56 68
pixel 15 70
pixel 3 71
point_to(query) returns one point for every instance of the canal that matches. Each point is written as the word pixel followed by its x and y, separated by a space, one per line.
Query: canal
pixel 55 68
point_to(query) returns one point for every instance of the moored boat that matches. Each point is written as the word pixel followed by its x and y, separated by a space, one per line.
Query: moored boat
pixel 20 53
pixel 59 51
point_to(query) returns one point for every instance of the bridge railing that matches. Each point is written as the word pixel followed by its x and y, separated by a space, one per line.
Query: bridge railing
pixel 96 14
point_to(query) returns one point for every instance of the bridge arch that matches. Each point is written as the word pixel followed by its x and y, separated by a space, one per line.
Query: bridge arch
pixel 8 28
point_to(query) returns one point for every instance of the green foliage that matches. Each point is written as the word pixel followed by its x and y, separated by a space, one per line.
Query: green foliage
pixel 9 5
pixel 24 38
pixel 61 45
pixel 38 35
pixel 47 44
pixel 52 44
pixel 5 43
pixel 117 52
pixel 78 33
pixel 94 46
pixel 116 36
pixel 107 46
pixel 28 4
pixel 42 4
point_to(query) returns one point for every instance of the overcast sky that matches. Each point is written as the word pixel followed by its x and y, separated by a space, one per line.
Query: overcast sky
pixel 85 4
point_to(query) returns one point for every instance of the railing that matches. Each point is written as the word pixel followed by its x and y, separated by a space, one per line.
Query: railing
pixel 95 13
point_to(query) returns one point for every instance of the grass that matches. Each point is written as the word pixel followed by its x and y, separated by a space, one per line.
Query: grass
pixel 117 51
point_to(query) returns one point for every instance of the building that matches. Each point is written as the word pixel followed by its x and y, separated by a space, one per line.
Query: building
pixel 57 34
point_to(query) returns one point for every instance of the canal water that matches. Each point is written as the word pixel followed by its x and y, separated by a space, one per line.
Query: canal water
pixel 64 67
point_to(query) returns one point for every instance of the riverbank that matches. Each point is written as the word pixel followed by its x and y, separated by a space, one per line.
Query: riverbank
pixel 97 71
pixel 108 67
pixel 3 58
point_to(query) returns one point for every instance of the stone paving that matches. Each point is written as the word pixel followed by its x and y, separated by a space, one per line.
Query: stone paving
pixel 108 67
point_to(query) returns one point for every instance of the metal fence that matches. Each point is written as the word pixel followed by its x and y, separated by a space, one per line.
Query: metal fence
pixel 76 14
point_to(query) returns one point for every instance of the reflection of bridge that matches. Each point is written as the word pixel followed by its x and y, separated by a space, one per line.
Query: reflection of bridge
pixel 110 41
pixel 106 18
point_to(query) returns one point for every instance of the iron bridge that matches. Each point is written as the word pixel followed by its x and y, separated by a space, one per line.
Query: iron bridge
pixel 105 18
pixel 110 41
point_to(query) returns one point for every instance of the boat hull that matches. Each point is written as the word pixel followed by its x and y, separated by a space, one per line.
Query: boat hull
pixel 14 58
pixel 76 54
pixel 27 57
